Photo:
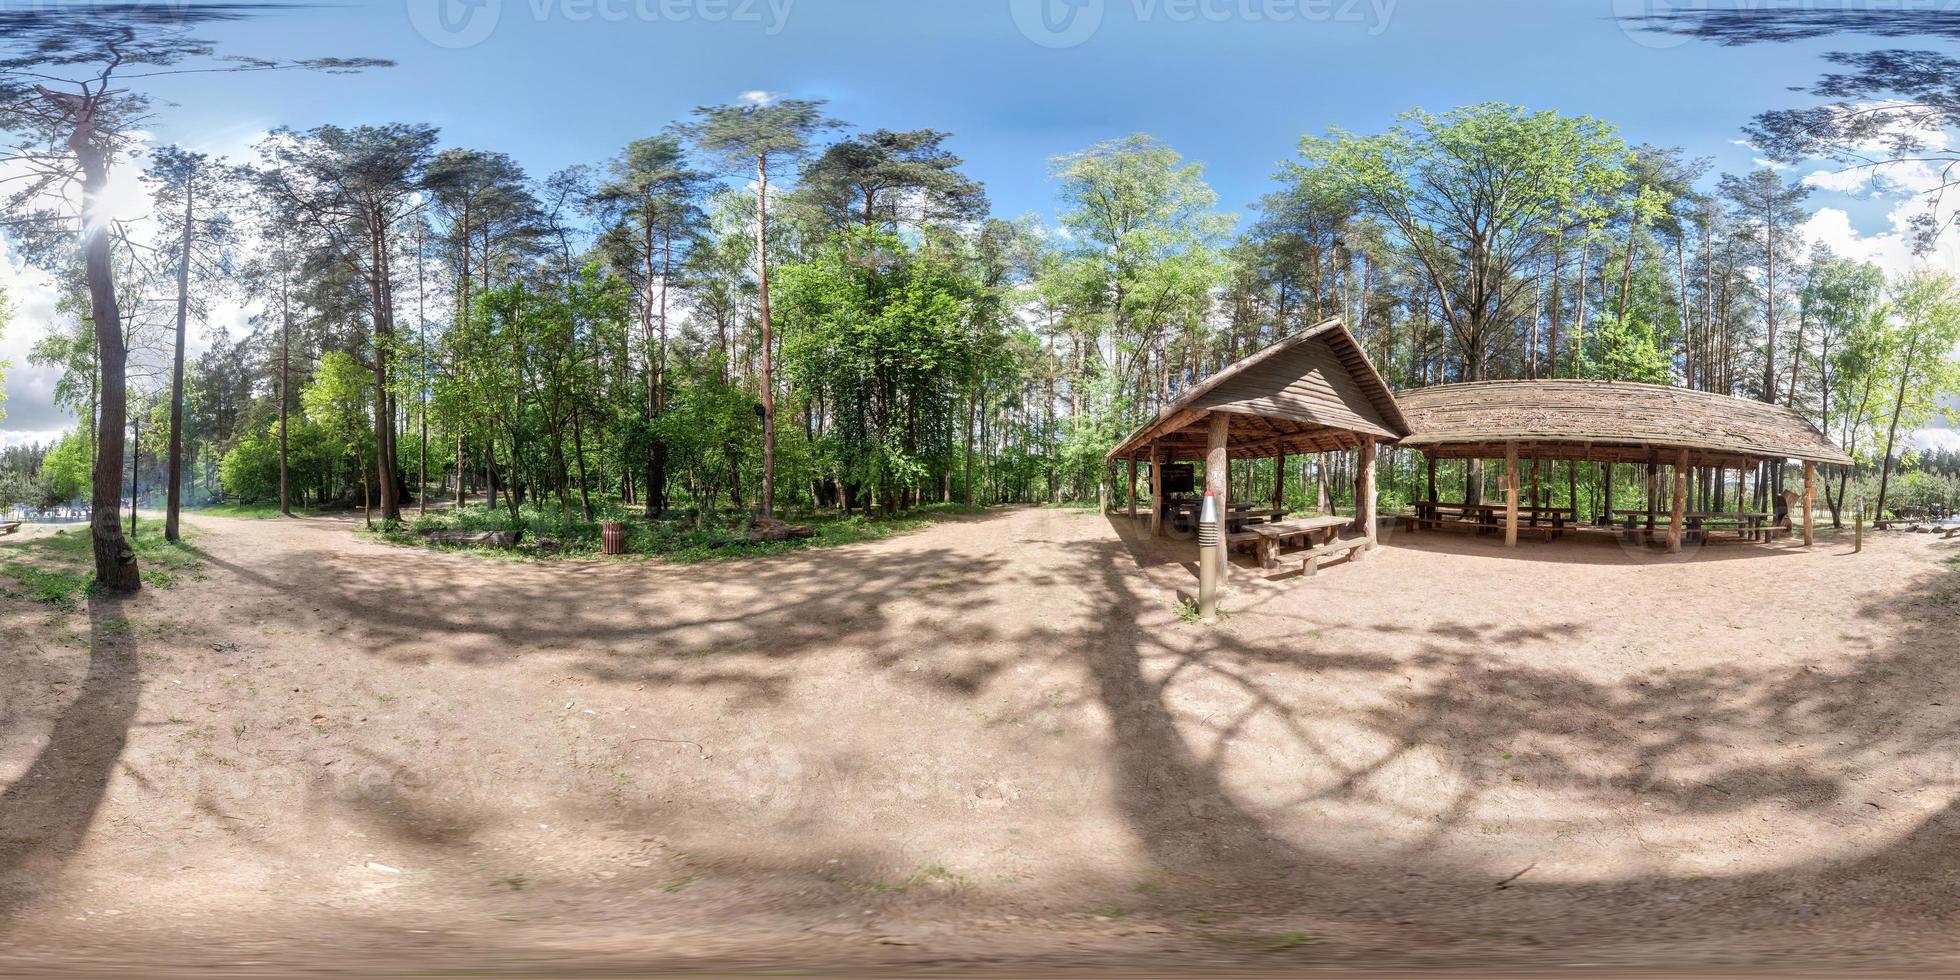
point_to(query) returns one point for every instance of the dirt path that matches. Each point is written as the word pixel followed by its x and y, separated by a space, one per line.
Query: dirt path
pixel 989 742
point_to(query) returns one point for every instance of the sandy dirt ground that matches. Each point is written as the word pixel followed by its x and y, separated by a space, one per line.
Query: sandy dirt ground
pixel 994 745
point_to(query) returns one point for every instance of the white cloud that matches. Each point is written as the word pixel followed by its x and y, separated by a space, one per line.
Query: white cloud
pixel 1886 176
pixel 1933 440
pixel 31 415
pixel 758 97
pixel 31 296
pixel 1890 249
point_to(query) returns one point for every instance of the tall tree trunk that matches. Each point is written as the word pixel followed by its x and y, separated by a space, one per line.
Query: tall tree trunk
pixel 135 467
pixel 115 560
pixel 285 384
pixel 657 468
pixel 173 496
pixel 768 502
pixel 384 424
pixel 1769 298
pixel 1892 430
pixel 422 382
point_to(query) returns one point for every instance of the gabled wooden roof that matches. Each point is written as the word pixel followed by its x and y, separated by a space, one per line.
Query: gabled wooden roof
pixel 1606 421
pixel 1312 392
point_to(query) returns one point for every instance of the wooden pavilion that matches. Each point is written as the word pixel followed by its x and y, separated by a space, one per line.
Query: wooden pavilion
pixel 1310 393
pixel 1614 422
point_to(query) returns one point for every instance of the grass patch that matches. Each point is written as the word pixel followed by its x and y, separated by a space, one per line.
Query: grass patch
pixel 1273 942
pixel 59 588
pixel 254 511
pixel 683 539
pixel 58 569
pixel 1187 613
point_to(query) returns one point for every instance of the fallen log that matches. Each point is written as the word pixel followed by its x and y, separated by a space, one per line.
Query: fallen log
pixel 482 539
pixel 769 529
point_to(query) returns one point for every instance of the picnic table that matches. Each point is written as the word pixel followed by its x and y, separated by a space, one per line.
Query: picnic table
pixel 9 527
pixel 1749 525
pixel 1182 515
pixel 1485 516
pixel 1316 532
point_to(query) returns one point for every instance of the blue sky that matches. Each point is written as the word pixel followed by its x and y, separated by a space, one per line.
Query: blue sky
pixel 1236 92
pixel 1231 83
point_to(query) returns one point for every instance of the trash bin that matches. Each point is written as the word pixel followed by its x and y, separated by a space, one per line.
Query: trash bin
pixel 612 537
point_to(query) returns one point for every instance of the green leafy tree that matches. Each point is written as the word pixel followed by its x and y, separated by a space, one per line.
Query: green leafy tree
pixel 1772 209
pixel 352 189
pixel 1846 300
pixel 65 469
pixel 1475 196
pixel 1919 357
pixel 755 137
pixel 880 331
pixel 1147 255
pixel 1625 350
pixel 336 401
pixel 653 200
pixel 70 103
pixel 191 193
pixel 885 179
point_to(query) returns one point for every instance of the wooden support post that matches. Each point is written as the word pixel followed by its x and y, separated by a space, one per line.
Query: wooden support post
pixel 1742 495
pixel 1218 480
pixel 1608 479
pixel 1653 490
pixel 1809 495
pixel 1680 502
pixel 1572 489
pixel 1132 495
pixel 1858 528
pixel 1279 481
pixel 1156 491
pixel 1365 506
pixel 1432 476
pixel 1510 495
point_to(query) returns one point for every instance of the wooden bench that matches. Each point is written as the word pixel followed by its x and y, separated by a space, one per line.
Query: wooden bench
pixel 1311 558
pixel 1450 517
pixel 9 527
pixel 1486 518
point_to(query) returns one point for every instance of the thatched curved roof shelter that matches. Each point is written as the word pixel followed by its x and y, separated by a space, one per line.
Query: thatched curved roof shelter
pixel 1313 392
pixel 1607 422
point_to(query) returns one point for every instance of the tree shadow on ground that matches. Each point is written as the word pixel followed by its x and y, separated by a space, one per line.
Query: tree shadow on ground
pixel 774 609
pixel 46 813
pixel 1655 740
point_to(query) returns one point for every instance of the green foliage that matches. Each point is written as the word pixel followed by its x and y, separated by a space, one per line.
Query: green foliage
pixel 683 539
pixel 56 569
pixel 250 471
pixel 65 470
pixel 1471 195
pixel 1625 350
pixel 881 333
pixel 58 587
